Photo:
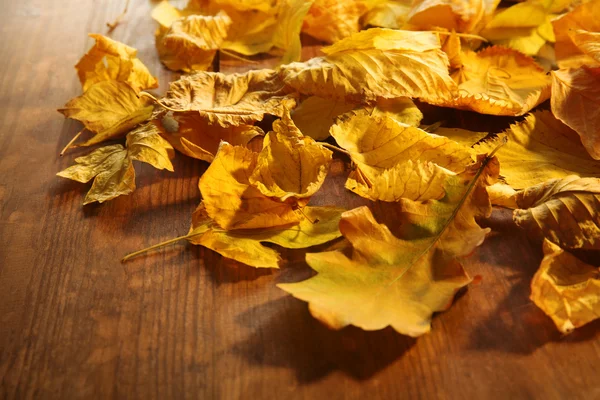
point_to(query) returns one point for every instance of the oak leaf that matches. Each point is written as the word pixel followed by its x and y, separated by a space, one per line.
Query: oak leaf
pixel 576 102
pixel 400 281
pixel 111 60
pixel 376 63
pixel 538 149
pixel 231 100
pixel 109 109
pixel 566 289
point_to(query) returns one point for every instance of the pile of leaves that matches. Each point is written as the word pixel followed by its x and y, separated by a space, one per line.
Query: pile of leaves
pixel 439 183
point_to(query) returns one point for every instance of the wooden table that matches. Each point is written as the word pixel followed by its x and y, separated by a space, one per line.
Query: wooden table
pixel 186 323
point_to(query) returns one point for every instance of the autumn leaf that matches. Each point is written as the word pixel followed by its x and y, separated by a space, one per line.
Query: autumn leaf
pixel 390 14
pixel 373 64
pixel 576 102
pixel 499 81
pixel 193 136
pixel 333 20
pixel 111 166
pixel 291 166
pixel 109 109
pixel 583 17
pixel 561 210
pixel 111 60
pixel 231 100
pixel 191 43
pixel 538 149
pixel 465 137
pixel 289 24
pixel 395 161
pixel 566 289
pixel 588 43
pixel 457 15
pixel 400 281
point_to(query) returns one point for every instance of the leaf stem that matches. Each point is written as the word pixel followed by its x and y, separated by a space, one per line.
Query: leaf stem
pixel 71 142
pixel 233 55
pixel 117 21
pixel 332 147
pixel 156 246
pixel 462 35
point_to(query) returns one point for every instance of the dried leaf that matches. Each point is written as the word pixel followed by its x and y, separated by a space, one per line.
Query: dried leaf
pixel 538 149
pixel 457 15
pixel 576 102
pixel 376 63
pixel 109 109
pixel 566 289
pixel 587 42
pixel 388 14
pixel 333 20
pixel 400 282
pixel 111 60
pixel 231 100
pixel 289 24
pixel 584 17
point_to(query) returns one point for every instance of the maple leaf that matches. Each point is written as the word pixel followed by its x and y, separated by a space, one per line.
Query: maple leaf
pixel 333 20
pixel 111 60
pixel 576 102
pixel 566 289
pixel 193 136
pixel 538 149
pixel 396 161
pixel 583 17
pixel 376 63
pixel 499 81
pixel 190 43
pixel 108 109
pixel 561 210
pixel 111 166
pixel 400 281
pixel 230 100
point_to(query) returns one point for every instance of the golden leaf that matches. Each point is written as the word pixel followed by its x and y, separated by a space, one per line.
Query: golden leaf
pixel 576 102
pixel 561 210
pixel 396 161
pixel 190 43
pixel 165 14
pixel 499 81
pixel 390 14
pixel 111 60
pixel 376 63
pixel 463 136
pixel 566 289
pixel 251 31
pixel 232 202
pixel 226 100
pixel 320 225
pixel 457 15
pixel 538 149
pixel 289 24
pixel 587 42
pixel 502 195
pixel 111 166
pixel 334 20
pixel 248 5
pixel 109 109
pixel 584 17
pixel 400 281
pixel 193 136
pixel 290 165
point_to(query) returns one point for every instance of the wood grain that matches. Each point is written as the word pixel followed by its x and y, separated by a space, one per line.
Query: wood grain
pixel 186 323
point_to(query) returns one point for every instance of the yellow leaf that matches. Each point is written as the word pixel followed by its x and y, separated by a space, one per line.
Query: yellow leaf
pixel 112 60
pixel 576 102
pixel 463 136
pixel 538 149
pixel 502 195
pixel 499 81
pixel 388 14
pixel 319 226
pixel 190 43
pixel 290 165
pixel 400 281
pixel 232 202
pixel 111 166
pixel 334 20
pixel 289 24
pixel 109 109
pixel 248 5
pixel 457 15
pixel 564 211
pixel 193 136
pixel 396 161
pixel 231 100
pixel 587 42
pixel 566 289
pixel 584 17
pixel 376 63
pixel 165 14
pixel 251 31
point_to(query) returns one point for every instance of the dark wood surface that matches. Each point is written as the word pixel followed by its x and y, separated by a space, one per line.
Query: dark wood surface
pixel 186 323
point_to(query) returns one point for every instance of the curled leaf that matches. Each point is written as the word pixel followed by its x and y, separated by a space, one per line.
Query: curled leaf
pixel 333 20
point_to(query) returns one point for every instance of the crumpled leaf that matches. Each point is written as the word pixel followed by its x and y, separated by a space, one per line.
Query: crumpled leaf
pixel 315 115
pixel 566 289
pixel 457 15
pixel 564 211
pixel 193 136
pixel 376 63
pixel 190 43
pixel 334 20
pixel 400 281
pixel 290 166
pixel 111 60
pixel 289 24
pixel 231 100
pixel 108 109
pixel 111 166
pixel 583 17
pixel 499 81
pixel 538 149
pixel 502 195
pixel 232 202
pixel 319 225
pixel 576 102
